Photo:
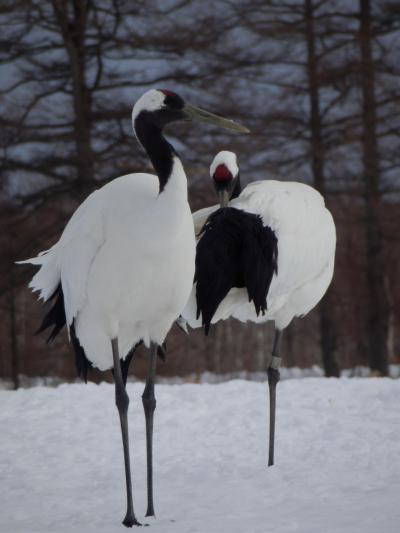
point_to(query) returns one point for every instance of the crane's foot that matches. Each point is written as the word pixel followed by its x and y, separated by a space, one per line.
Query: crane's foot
pixel 130 520
pixel 150 512
pixel 273 378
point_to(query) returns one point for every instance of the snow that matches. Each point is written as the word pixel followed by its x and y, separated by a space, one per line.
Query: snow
pixel 337 458
pixel 290 372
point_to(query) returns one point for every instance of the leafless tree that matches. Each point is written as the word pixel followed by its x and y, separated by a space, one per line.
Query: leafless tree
pixel 316 81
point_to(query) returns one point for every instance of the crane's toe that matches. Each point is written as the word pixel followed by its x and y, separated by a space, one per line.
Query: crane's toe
pixel 130 520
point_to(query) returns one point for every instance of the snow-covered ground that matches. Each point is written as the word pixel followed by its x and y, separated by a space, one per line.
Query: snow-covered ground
pixel 337 458
pixel 292 372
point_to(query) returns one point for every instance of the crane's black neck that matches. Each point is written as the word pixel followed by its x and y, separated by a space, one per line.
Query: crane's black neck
pixel 160 152
pixel 237 189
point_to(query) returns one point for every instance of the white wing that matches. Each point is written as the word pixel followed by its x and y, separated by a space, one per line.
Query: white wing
pixel 108 262
pixel 69 260
pixel 47 278
pixel 306 247
pixel 78 247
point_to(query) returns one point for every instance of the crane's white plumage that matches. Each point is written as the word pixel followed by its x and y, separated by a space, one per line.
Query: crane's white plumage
pixel 126 263
pixel 125 259
pixel 267 255
pixel 151 101
pixel 123 268
pixel 306 249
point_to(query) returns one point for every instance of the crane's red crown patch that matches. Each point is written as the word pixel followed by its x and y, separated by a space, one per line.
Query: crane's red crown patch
pixel 222 173
pixel 168 93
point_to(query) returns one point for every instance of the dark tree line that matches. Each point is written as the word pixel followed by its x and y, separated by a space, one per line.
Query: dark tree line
pixel 316 82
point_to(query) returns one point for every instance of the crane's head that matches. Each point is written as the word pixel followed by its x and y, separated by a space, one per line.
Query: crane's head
pixel 224 172
pixel 161 107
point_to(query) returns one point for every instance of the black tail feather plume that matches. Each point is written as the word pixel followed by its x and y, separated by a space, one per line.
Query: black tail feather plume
pixel 55 317
pixel 82 363
pixel 234 250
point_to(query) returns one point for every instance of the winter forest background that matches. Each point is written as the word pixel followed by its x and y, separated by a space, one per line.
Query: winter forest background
pixel 315 81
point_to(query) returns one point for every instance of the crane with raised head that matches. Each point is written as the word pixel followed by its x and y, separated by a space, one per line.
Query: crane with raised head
pixel 123 267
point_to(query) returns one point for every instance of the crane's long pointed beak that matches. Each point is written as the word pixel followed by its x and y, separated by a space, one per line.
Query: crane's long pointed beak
pixel 199 115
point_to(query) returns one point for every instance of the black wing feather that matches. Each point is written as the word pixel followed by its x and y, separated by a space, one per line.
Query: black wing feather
pixel 217 260
pixel 260 263
pixel 234 250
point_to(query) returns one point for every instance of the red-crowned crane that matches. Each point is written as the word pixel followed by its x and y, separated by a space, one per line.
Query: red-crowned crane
pixel 265 253
pixel 123 267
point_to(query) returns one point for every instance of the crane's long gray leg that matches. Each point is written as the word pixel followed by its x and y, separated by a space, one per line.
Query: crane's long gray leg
pixel 122 402
pixel 273 378
pixel 149 405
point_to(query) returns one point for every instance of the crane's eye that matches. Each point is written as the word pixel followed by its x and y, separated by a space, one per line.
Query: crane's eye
pixel 172 100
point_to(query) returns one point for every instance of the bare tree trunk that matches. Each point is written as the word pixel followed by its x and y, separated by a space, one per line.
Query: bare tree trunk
pixel 327 323
pixel 216 349
pixel 391 336
pixel 378 309
pixel 13 338
pixel 258 330
pixel 73 31
pixel 289 356
pixel 242 361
